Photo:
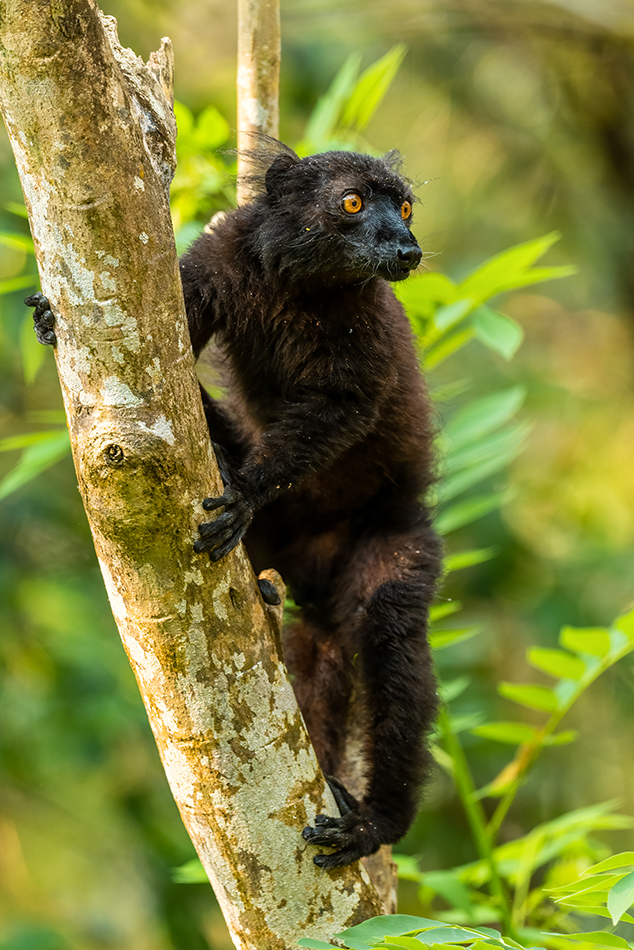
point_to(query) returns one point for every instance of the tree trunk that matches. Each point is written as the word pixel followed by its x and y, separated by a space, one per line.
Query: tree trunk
pixel 93 136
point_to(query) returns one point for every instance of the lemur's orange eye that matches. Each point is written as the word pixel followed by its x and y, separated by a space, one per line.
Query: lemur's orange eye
pixel 406 210
pixel 351 203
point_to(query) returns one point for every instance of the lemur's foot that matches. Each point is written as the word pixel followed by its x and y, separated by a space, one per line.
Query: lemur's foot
pixel 43 318
pixel 353 834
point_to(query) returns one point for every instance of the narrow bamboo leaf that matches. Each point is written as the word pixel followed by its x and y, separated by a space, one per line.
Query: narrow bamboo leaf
pixel 600 937
pixel 367 933
pixel 513 733
pixel 325 116
pixel 34 460
pixel 597 883
pixel 562 738
pixel 462 723
pixel 625 624
pixel 453 485
pixel 454 688
pixel 192 872
pixel 482 416
pixel 19 242
pixel 497 331
pixel 11 284
pixel 532 696
pixel 439 639
pixel 593 910
pixel 621 897
pixel 557 663
pixel 401 943
pixel 440 611
pixel 32 353
pixel 451 314
pixel 17 208
pixel 442 935
pixel 449 345
pixel 420 293
pixel 624 859
pixel 371 88
pixel 446 393
pixel 593 640
pixel 46 417
pixel 470 510
pixel 25 439
pixel 456 562
pixel 498 444
pixel 507 270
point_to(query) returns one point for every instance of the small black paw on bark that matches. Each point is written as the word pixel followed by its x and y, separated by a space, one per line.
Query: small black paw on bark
pixel 43 319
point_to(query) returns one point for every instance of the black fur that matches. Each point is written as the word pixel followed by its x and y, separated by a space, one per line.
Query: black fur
pixel 326 435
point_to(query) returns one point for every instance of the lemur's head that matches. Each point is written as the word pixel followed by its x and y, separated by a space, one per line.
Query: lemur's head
pixel 337 217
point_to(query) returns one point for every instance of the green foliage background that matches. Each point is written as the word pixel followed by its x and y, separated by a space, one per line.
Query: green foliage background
pixel 514 119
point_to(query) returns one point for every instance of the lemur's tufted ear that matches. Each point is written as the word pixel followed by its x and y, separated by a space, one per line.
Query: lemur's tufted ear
pixel 276 173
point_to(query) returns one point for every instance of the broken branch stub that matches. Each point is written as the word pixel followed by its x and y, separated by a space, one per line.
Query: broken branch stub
pixel 93 136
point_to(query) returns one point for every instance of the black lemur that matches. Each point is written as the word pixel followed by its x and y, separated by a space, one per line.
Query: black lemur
pixel 325 444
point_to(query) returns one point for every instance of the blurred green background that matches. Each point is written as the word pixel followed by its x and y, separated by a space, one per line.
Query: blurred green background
pixel 514 119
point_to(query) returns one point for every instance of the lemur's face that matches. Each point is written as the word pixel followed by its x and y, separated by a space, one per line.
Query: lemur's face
pixel 342 217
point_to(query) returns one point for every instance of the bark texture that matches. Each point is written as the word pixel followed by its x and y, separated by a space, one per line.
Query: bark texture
pixel 259 54
pixel 93 136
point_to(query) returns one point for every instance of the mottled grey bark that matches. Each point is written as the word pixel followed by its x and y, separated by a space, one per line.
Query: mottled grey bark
pixel 93 136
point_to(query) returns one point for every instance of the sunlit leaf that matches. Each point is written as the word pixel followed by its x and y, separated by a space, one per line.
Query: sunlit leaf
pixel 451 314
pixel 439 639
pixel 497 331
pixel 532 696
pixel 465 512
pixel 482 416
pixel 421 292
pixel 622 860
pixel 505 443
pixel 593 640
pixel 625 624
pixel 20 242
pixel 449 345
pixel 513 733
pixel 448 691
pixel 34 460
pixel 11 284
pixel 371 931
pixel 314 944
pixel 621 897
pixel 192 872
pixel 600 937
pixel 564 737
pixel 462 559
pixel 371 88
pixel 325 115
pixel 440 611
pixel 557 663
pixel 455 484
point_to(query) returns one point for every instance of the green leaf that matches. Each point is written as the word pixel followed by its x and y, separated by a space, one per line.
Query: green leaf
pixel 192 872
pixel 421 293
pixel 212 130
pixel 562 738
pixel 482 416
pixel 11 284
pixel 454 688
pixel 373 930
pixel 510 270
pixel 440 611
pixel 601 937
pixel 593 640
pixel 625 624
pixel 19 242
pixel 557 663
pixel 324 117
pixel 503 444
pixel 32 352
pixel 444 934
pixel 456 562
pixel 25 439
pixel 622 860
pixel 17 208
pixel 439 639
pixel 453 485
pixel 449 345
pixel 532 696
pixel 371 88
pixel 513 733
pixel 497 331
pixel 34 460
pixel 451 314
pixel 621 897
pixel 402 943
pixel 467 511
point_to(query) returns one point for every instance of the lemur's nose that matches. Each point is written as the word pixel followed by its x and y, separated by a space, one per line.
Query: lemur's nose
pixel 412 256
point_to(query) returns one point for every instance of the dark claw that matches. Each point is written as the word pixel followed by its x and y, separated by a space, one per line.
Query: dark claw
pixel 353 835
pixel 43 318
pixel 269 593
pixel 225 532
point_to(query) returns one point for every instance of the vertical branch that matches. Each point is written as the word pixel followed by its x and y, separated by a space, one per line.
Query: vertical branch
pixel 259 52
